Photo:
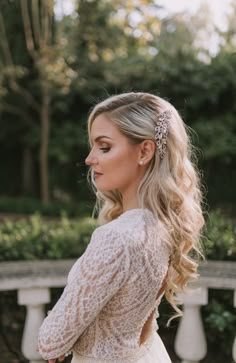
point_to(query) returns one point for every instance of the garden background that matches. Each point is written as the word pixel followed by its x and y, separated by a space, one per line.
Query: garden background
pixel 54 68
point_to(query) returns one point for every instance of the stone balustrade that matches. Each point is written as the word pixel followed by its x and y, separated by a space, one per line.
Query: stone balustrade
pixel 33 281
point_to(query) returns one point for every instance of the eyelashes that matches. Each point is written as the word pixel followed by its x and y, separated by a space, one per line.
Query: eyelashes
pixel 105 149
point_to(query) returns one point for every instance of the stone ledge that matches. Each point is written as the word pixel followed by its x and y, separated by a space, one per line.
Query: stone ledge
pixel 53 273
pixel 27 274
pixel 217 274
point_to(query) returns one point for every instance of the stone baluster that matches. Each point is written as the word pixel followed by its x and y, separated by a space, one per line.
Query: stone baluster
pixel 234 345
pixel 190 341
pixel 34 299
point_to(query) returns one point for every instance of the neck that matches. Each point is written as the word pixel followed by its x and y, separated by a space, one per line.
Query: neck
pixel 129 201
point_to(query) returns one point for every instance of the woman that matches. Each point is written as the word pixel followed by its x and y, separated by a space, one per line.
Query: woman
pixel 149 205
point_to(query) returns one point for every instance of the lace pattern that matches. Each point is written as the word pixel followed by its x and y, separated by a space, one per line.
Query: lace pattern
pixel 110 293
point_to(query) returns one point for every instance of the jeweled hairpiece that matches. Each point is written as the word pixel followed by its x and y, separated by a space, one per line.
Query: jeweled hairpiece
pixel 161 132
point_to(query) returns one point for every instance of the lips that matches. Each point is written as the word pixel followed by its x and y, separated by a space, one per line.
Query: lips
pixel 96 173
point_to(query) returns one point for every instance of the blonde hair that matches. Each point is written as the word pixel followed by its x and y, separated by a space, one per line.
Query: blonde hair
pixel 169 188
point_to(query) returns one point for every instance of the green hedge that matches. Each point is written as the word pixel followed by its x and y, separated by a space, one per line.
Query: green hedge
pixel 37 238
pixel 219 242
pixel 28 206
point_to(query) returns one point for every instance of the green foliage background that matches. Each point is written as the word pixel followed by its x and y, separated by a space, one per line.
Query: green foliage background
pixel 108 47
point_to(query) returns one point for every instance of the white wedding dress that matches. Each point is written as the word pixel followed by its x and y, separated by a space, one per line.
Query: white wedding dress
pixel 111 292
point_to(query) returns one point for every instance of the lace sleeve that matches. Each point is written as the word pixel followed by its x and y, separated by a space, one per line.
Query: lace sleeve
pixel 99 274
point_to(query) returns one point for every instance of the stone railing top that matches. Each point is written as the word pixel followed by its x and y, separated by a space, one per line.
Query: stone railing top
pixel 28 274
pixel 218 274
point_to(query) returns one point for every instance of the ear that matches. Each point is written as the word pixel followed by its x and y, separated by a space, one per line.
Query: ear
pixel 147 150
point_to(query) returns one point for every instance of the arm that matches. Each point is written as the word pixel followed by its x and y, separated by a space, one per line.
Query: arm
pixel 100 273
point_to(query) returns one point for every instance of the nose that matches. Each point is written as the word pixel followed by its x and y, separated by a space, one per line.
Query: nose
pixel 91 159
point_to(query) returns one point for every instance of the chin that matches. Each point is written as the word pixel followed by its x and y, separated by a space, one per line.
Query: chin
pixel 101 188
pixel 106 189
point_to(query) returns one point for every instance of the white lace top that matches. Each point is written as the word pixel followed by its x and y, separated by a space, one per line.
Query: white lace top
pixel 111 291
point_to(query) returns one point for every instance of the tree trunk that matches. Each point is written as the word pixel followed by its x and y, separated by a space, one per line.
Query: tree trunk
pixel 45 126
pixel 27 172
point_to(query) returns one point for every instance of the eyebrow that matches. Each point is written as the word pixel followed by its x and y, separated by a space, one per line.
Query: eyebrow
pixel 102 137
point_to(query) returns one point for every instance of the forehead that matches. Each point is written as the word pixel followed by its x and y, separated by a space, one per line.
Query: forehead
pixel 103 126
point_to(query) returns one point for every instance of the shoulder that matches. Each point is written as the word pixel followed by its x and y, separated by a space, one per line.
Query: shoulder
pixel 107 250
pixel 108 239
pixel 128 227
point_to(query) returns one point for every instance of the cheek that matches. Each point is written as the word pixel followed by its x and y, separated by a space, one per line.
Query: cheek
pixel 119 158
pixel 125 161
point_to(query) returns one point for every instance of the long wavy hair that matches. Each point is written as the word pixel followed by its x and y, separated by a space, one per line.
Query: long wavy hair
pixel 170 187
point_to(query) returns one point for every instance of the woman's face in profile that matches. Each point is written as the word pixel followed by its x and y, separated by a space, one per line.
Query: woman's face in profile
pixel 114 160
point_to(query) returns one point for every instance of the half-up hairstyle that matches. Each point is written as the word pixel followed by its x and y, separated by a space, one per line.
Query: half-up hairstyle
pixel 170 187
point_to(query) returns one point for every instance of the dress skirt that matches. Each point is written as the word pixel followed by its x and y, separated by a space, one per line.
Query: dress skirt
pixel 152 351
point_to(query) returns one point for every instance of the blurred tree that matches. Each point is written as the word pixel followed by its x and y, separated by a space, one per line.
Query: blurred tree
pixel 49 72
pixel 112 46
pixel 228 36
pixel 13 52
pixel 111 41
